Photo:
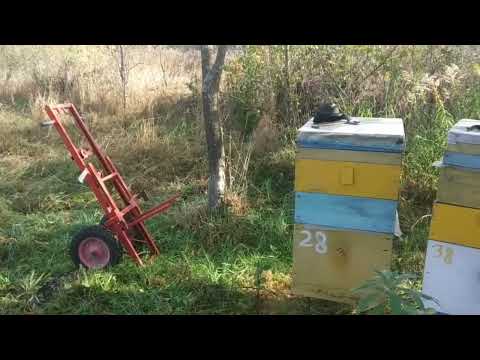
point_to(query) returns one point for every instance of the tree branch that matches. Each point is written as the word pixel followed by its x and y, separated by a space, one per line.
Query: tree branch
pixel 381 64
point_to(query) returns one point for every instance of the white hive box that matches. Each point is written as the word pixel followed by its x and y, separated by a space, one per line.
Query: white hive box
pixel 452 277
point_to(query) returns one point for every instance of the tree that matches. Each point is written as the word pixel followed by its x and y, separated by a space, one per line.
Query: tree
pixel 212 68
pixel 287 84
pixel 123 58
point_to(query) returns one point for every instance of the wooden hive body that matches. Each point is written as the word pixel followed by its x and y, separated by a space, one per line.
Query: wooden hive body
pixel 347 180
pixel 464 144
pixel 452 277
pixel 452 266
pixel 459 186
pixel 329 262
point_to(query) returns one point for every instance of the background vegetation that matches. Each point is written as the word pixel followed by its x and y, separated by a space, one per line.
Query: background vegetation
pixel 238 262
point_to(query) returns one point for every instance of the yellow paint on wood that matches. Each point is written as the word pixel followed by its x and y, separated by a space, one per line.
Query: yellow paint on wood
pixel 347 178
pixel 459 186
pixel 328 263
pixel 350 156
pixel 456 225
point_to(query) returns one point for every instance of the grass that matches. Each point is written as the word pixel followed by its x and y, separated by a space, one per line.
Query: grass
pixel 238 262
pixel 235 263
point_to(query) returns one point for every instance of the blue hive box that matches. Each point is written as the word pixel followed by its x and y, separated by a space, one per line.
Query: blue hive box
pixel 464 145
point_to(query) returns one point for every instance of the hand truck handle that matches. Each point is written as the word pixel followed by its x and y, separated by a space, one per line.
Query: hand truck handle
pixel 65 108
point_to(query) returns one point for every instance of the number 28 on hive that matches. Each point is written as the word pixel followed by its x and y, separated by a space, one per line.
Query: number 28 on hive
pixel 315 239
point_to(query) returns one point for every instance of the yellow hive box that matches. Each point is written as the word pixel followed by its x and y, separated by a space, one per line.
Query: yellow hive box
pixel 456 225
pixel 361 158
pixel 341 172
pixel 329 263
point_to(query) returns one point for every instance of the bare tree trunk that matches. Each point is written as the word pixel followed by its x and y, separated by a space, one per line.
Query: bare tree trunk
pixel 287 85
pixel 164 73
pixel 123 60
pixel 67 81
pixel 123 76
pixel 211 74
pixel 271 81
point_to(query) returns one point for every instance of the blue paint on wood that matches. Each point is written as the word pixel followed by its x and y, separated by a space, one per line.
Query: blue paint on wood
pixel 463 160
pixel 313 142
pixel 345 212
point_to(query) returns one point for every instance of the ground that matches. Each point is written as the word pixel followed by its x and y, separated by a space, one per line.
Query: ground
pixel 235 263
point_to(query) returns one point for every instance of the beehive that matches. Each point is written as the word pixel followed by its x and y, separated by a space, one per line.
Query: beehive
pixel 347 179
pixel 452 266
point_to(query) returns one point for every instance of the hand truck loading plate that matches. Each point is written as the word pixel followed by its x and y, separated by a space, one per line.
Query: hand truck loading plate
pixel 122 226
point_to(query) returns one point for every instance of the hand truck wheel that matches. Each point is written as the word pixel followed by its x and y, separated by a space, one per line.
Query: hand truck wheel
pixel 95 248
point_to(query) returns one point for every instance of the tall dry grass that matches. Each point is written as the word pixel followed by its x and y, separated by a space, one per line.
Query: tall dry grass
pixel 264 99
pixel 31 76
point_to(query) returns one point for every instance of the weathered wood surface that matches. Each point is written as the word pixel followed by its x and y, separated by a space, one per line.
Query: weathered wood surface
pixel 459 186
pixel 347 178
pixel 349 155
pixel 456 225
pixel 464 149
pixel 452 277
pixel 371 134
pixel 329 263
pixel 345 212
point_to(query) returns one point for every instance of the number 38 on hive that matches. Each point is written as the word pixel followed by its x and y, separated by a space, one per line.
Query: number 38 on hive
pixel 347 179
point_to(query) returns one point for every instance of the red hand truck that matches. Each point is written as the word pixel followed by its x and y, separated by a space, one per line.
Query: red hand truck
pixel 123 226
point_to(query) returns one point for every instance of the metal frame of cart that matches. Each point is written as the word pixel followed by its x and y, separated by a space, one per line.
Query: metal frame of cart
pixel 123 224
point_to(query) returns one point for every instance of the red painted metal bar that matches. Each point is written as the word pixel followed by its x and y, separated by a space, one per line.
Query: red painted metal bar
pixel 127 244
pixel 154 211
pixel 83 128
pixel 136 212
pixel 76 155
pixel 116 222
pixel 120 184
pixel 128 208
pixel 107 164
pixel 108 177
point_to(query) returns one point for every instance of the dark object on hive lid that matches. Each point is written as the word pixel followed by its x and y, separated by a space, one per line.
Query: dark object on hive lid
pixel 473 128
pixel 329 113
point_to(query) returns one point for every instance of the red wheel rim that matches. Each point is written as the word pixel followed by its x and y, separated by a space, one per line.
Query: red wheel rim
pixel 94 253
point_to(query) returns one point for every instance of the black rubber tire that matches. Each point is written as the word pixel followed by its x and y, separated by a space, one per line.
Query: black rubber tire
pixel 99 232
pixel 103 220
